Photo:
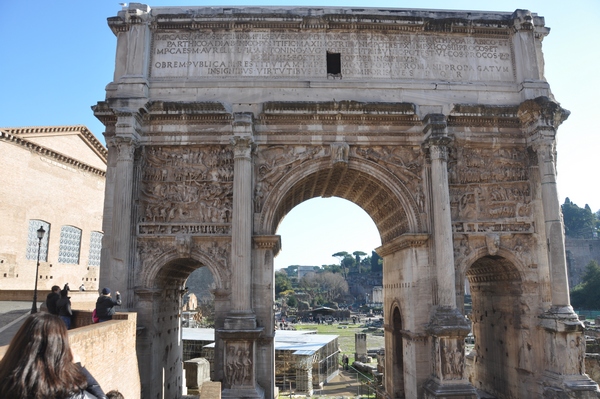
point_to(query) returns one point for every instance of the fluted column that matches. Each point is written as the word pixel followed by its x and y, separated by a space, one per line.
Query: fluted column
pixel 545 150
pixel 241 232
pixel 447 326
pixel 542 116
pixel 118 271
pixel 444 252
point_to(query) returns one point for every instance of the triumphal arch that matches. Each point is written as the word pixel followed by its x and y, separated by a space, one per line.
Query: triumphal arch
pixel 439 124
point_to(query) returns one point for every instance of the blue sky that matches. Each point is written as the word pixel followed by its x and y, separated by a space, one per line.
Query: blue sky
pixel 56 58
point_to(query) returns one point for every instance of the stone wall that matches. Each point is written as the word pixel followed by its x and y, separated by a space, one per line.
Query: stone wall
pixel 107 350
pixel 59 190
pixel 79 300
pixel 579 254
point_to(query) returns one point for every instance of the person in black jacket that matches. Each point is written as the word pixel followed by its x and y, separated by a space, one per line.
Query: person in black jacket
pixel 64 308
pixel 105 305
pixel 52 298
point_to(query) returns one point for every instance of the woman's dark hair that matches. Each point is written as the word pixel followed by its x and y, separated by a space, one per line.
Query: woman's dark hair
pixel 38 362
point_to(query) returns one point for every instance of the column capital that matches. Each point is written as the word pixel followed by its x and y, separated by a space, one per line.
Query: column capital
pixel 125 147
pixel 545 149
pixel 438 147
pixel 242 146
pixel 272 242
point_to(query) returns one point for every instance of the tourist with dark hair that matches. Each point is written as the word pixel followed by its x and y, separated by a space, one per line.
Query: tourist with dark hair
pixel 64 308
pixel 114 394
pixel 38 364
pixel 105 305
pixel 52 298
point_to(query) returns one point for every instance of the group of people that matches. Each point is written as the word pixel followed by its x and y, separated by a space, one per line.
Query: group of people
pixel 59 303
pixel 39 363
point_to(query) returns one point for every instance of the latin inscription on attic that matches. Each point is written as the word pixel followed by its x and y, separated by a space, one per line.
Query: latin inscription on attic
pixel 373 55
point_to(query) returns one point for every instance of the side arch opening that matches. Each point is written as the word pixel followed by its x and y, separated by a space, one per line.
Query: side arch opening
pixel 496 290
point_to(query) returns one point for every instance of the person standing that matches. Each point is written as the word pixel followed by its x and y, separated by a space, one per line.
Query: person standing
pixel 64 308
pixel 105 305
pixel 52 298
pixel 39 364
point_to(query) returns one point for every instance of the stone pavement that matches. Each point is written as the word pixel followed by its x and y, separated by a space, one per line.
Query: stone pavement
pixel 12 314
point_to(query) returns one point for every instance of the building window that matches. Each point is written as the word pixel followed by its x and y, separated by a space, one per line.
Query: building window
pixel 33 241
pixel 95 248
pixel 70 242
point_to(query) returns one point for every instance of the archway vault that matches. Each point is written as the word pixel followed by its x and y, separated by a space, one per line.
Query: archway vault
pixel 381 195
pixel 172 266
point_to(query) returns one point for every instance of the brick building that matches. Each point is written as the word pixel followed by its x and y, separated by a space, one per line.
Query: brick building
pixel 53 177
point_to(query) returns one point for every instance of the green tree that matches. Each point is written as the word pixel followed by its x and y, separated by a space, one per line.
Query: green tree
pixel 587 294
pixel 292 302
pixel 579 222
pixel 357 255
pixel 282 282
pixel 376 263
pixel 342 257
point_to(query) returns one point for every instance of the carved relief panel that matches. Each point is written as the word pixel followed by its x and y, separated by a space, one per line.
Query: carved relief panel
pixel 239 364
pixel 490 189
pixel 186 190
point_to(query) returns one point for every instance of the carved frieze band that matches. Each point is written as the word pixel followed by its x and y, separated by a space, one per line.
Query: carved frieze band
pixel 516 243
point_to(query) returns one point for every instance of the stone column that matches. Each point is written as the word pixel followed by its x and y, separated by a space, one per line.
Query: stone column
pixel 239 333
pixel 241 229
pixel 265 249
pixel 545 150
pixel 564 344
pixel 116 276
pixel 442 223
pixel 447 327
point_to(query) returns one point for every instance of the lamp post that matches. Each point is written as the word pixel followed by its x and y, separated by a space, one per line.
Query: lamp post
pixel 40 235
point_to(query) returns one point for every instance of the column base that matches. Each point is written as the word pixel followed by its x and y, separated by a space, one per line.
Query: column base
pixel 569 386
pixel 561 319
pixel 456 390
pixel 240 321
pixel 246 393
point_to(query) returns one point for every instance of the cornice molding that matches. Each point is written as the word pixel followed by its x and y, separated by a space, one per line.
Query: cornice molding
pixel 11 138
pixel 332 18
pixel 404 241
pixel 37 131
pixel 339 112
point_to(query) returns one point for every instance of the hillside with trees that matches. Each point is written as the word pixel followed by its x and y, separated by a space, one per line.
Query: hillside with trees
pixel 580 222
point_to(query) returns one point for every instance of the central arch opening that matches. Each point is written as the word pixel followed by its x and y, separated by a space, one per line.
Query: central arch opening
pixel 373 195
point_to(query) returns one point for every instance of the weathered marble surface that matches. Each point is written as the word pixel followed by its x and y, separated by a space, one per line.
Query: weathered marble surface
pixel 439 124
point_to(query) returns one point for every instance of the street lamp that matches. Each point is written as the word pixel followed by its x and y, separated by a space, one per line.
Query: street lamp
pixel 40 235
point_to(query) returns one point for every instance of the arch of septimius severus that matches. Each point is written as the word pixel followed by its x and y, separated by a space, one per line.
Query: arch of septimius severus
pixel 439 124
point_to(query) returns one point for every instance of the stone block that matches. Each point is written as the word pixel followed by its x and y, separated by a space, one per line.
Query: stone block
pixel 197 372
